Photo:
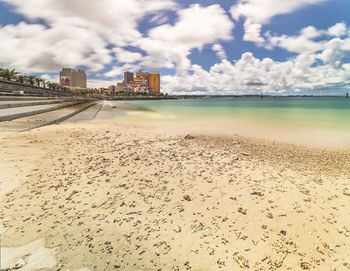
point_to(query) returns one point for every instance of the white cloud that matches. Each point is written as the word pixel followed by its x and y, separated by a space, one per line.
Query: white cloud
pixel 261 11
pixel 95 83
pixel 308 71
pixel 125 56
pixel 195 27
pixel 34 48
pixel 73 35
pixel 330 48
pixel 94 34
pixel 334 51
pixel 252 32
pixel 116 20
pixel 76 32
pixel 53 78
pixel 118 71
pixel 338 30
pixel 220 51
pixel 297 44
pixel 170 45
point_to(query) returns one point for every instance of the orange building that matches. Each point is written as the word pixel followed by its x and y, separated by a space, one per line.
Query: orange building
pixel 149 79
pixel 154 82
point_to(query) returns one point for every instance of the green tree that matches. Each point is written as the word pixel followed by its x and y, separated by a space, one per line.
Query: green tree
pixel 20 78
pixel 8 74
pixel 37 81
pixel 31 79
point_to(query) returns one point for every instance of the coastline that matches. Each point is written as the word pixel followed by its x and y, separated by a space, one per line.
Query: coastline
pixel 106 195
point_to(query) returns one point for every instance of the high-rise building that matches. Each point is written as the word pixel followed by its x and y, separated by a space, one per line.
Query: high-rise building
pixel 142 76
pixel 154 82
pixel 128 77
pixel 149 79
pixel 75 78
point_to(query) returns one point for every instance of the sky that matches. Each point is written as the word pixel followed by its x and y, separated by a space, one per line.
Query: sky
pixel 199 47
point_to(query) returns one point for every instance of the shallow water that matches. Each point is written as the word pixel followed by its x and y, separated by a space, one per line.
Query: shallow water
pixel 316 120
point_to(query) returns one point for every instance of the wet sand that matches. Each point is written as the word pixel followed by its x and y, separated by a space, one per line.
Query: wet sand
pixel 114 195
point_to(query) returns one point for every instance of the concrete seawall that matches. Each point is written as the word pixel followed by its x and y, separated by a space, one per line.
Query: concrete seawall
pixel 8 86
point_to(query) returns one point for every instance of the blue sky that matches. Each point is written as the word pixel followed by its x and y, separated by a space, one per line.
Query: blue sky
pixel 200 47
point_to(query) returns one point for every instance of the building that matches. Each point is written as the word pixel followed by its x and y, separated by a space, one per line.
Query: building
pixel 128 77
pixel 143 77
pixel 74 78
pixel 154 82
pixel 151 80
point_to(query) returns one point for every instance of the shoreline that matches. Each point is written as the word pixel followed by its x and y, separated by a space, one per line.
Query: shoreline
pixel 122 195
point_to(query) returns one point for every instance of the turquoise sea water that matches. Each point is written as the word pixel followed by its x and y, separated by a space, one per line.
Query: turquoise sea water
pixel 317 119
pixel 321 112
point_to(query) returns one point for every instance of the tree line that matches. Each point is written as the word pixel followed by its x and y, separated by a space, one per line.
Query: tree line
pixel 14 76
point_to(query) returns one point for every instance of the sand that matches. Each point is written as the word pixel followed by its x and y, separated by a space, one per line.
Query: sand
pixel 109 195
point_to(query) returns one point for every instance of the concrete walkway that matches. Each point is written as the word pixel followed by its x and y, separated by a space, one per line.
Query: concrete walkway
pixel 35 121
pixel 20 112
pixel 88 114
pixel 12 104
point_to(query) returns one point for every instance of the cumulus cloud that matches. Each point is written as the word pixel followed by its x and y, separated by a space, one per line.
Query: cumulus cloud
pixel 170 45
pixel 67 34
pixel 252 32
pixel 76 32
pixel 125 56
pixel 35 48
pixel 312 40
pixel 96 83
pixel 316 66
pixel 261 11
pixel 73 35
pixel 116 20
pixel 303 43
pixel 220 51
pixel 334 52
pixel 338 30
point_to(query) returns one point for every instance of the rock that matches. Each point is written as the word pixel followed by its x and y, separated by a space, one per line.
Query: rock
pixel 20 263
pixel 283 232
pixel 264 227
pixel 187 197
pixel 269 215
pixel 346 192
pixel 177 229
pixel 242 210
pixel 257 193
pixel 209 180
pixel 305 265
pixel 137 158
pixel 189 137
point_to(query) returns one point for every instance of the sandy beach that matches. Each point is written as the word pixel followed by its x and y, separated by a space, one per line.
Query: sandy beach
pixel 108 195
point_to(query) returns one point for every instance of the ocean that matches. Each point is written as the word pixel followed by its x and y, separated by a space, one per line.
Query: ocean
pixel 311 120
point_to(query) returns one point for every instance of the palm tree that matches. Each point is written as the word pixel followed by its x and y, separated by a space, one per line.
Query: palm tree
pixel 37 81
pixel 8 74
pixel 2 72
pixel 31 79
pixel 43 82
pixel 20 78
